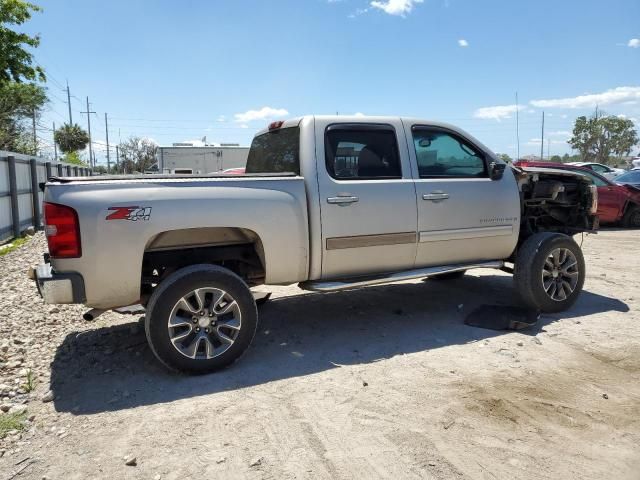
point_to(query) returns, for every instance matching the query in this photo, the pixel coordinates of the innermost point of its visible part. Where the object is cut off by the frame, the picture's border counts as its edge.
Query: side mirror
(496, 170)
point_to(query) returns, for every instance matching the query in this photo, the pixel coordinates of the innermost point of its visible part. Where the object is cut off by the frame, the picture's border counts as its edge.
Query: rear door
(367, 198)
(463, 215)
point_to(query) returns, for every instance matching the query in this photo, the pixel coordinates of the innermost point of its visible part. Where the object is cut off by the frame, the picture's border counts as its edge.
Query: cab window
(443, 154)
(361, 152)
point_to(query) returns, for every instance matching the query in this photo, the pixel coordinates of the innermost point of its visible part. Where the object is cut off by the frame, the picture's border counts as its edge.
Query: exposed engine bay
(556, 201)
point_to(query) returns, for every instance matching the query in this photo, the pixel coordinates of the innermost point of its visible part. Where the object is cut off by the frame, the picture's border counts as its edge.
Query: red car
(616, 203)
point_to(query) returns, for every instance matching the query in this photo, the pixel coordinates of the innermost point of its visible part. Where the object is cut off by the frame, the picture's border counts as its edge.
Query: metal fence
(20, 196)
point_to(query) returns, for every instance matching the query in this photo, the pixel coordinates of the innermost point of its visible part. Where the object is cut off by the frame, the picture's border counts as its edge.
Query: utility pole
(517, 129)
(542, 139)
(55, 145)
(117, 159)
(69, 104)
(89, 112)
(549, 148)
(35, 137)
(106, 128)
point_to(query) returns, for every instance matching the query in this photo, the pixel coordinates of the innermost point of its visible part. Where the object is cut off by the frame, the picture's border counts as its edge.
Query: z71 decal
(129, 213)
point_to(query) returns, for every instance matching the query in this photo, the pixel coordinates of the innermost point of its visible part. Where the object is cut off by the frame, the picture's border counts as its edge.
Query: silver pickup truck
(329, 202)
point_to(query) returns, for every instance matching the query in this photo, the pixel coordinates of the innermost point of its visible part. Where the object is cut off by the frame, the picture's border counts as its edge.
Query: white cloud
(221, 118)
(463, 43)
(359, 114)
(610, 97)
(634, 43)
(560, 133)
(262, 114)
(395, 7)
(497, 112)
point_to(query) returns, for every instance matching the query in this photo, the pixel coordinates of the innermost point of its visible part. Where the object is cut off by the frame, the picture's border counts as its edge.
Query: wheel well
(240, 250)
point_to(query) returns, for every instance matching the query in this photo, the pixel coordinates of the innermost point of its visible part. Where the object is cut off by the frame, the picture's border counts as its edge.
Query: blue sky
(180, 70)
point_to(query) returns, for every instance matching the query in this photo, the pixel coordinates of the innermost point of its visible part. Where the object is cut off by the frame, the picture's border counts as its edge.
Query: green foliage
(556, 158)
(505, 158)
(11, 421)
(14, 245)
(137, 154)
(30, 381)
(71, 138)
(18, 102)
(16, 63)
(599, 137)
(74, 159)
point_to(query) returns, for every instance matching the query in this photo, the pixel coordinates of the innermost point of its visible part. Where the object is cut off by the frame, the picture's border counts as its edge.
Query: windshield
(277, 151)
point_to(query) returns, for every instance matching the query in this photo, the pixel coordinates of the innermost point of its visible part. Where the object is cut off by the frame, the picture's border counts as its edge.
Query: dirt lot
(384, 382)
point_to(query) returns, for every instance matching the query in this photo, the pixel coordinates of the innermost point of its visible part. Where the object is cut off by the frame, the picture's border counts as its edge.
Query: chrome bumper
(58, 288)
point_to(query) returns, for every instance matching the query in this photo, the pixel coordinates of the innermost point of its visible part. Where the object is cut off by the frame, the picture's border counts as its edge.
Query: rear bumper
(56, 287)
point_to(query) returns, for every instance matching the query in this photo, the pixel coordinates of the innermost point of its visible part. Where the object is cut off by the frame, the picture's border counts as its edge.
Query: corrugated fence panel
(23, 185)
(23, 176)
(4, 176)
(6, 229)
(24, 206)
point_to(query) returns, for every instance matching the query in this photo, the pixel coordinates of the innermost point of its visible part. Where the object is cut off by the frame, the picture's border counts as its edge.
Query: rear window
(277, 151)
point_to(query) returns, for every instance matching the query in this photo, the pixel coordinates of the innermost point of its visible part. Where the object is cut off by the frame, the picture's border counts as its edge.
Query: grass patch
(11, 421)
(30, 383)
(15, 244)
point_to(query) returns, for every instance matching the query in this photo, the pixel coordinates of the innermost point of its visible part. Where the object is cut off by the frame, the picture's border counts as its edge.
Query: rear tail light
(62, 230)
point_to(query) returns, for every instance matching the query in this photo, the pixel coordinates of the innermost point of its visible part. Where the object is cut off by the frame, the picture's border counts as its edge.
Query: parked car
(329, 202)
(617, 203)
(631, 178)
(604, 170)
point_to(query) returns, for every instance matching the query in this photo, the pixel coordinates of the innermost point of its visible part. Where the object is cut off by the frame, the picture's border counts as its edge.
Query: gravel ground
(384, 382)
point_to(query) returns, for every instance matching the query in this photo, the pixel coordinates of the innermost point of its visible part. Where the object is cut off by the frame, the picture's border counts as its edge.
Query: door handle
(435, 196)
(342, 201)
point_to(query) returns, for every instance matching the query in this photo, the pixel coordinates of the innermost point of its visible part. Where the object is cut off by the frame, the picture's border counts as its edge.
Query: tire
(549, 272)
(200, 319)
(631, 217)
(449, 275)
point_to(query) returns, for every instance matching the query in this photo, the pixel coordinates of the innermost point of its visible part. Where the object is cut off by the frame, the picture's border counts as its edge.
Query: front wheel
(200, 319)
(631, 218)
(549, 272)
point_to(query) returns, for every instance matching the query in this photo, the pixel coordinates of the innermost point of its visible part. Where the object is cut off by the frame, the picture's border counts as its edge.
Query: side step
(364, 281)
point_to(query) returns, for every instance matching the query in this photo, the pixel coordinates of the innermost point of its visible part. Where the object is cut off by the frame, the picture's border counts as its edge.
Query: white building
(189, 158)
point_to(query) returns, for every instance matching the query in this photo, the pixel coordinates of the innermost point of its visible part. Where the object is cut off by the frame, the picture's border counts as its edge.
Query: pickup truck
(328, 202)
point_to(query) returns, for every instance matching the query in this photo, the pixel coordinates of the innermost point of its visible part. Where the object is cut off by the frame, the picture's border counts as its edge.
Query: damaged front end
(554, 200)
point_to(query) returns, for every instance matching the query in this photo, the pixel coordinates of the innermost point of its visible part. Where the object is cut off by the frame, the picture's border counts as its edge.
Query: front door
(367, 199)
(463, 215)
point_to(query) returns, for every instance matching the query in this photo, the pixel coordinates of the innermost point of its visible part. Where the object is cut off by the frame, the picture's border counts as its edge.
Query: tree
(597, 137)
(71, 138)
(18, 103)
(505, 158)
(138, 154)
(74, 159)
(16, 63)
(556, 158)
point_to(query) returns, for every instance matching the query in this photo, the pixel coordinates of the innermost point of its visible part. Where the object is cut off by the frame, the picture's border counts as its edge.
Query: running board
(364, 281)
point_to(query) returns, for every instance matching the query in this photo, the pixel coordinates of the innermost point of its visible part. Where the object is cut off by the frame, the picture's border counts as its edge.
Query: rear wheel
(549, 272)
(631, 218)
(201, 318)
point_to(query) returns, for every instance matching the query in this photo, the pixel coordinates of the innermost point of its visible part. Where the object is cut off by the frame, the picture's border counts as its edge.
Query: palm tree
(71, 138)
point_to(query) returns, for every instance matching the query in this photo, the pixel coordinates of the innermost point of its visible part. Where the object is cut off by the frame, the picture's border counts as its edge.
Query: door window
(441, 154)
(362, 153)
